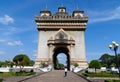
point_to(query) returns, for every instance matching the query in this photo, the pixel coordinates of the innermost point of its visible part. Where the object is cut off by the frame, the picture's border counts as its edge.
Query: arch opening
(61, 56)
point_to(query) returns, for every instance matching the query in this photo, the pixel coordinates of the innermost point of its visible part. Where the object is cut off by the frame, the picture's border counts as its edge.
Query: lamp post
(114, 46)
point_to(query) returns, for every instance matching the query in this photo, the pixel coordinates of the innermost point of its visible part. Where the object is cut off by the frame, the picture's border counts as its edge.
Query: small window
(62, 10)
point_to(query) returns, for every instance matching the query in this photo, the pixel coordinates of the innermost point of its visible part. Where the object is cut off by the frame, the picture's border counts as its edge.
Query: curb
(82, 77)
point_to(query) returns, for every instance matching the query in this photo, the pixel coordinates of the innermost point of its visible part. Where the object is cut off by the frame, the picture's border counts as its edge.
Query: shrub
(76, 64)
(85, 74)
(42, 64)
(1, 79)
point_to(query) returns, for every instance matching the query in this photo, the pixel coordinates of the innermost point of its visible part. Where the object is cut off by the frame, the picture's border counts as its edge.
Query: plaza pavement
(56, 76)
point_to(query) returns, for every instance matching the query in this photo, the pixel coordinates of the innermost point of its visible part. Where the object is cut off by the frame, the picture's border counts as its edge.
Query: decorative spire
(46, 7)
(77, 7)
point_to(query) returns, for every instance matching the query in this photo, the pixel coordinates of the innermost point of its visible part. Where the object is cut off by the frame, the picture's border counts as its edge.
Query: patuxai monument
(61, 32)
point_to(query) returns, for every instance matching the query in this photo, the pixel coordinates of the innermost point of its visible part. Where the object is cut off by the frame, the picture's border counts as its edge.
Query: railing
(60, 18)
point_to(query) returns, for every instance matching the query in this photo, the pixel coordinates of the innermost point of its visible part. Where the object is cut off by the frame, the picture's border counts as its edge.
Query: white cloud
(21, 50)
(1, 52)
(104, 15)
(10, 31)
(6, 19)
(14, 30)
(11, 43)
(62, 58)
(15, 43)
(2, 41)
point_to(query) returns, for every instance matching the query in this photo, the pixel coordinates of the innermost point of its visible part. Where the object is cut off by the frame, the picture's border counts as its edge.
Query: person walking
(65, 70)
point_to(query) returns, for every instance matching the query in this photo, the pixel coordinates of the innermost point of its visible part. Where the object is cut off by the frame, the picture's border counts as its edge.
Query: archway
(57, 51)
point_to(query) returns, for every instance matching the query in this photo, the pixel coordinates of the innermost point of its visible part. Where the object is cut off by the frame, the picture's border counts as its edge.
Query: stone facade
(61, 31)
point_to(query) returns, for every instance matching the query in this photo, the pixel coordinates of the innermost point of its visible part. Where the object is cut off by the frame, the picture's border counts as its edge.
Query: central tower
(61, 33)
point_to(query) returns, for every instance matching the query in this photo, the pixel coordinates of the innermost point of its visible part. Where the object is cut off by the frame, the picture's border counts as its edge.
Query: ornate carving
(61, 37)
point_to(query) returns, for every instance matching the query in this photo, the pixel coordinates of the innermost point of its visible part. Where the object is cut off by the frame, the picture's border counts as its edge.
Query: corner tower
(61, 32)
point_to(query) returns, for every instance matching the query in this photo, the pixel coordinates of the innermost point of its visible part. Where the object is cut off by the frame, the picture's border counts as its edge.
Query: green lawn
(102, 74)
(2, 74)
(17, 73)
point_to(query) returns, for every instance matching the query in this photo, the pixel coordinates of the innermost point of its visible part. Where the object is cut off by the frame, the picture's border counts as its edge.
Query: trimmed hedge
(112, 80)
(102, 74)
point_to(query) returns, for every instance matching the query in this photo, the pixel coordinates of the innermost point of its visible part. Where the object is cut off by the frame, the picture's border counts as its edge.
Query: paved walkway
(56, 76)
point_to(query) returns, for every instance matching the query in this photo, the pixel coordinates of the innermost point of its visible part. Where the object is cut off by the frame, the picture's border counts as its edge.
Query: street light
(114, 46)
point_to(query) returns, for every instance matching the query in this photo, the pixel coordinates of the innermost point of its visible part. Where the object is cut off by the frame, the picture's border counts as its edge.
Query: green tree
(22, 60)
(60, 66)
(104, 65)
(1, 63)
(106, 59)
(32, 62)
(119, 58)
(95, 64)
(8, 63)
(57, 61)
(113, 65)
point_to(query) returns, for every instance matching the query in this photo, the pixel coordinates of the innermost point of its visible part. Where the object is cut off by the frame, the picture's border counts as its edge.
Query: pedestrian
(65, 70)
(72, 69)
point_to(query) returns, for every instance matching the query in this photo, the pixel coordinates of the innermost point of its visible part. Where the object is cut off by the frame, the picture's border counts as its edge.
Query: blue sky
(18, 33)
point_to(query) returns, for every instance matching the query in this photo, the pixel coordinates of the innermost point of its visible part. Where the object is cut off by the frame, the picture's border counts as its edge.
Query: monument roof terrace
(61, 18)
(61, 15)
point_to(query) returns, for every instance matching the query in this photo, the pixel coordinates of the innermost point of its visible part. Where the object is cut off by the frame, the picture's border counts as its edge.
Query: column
(50, 53)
